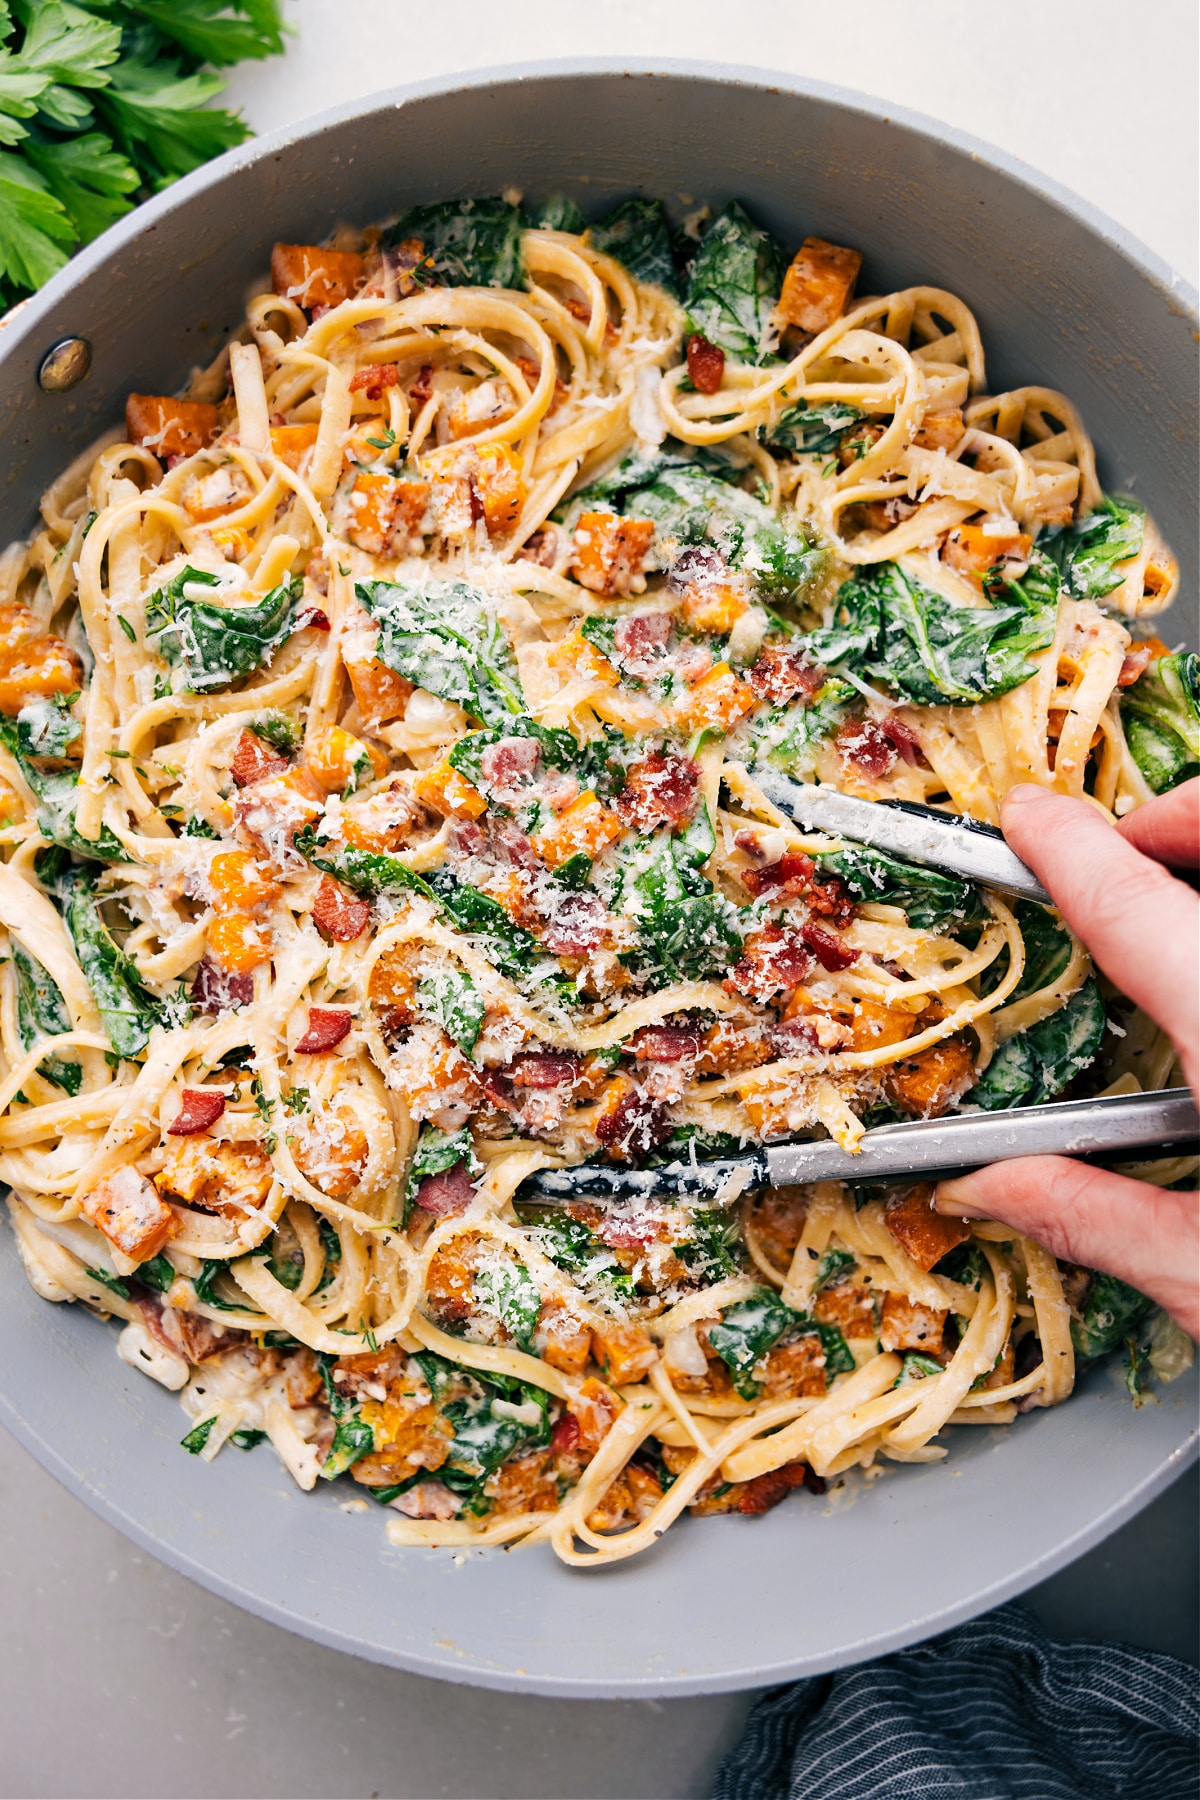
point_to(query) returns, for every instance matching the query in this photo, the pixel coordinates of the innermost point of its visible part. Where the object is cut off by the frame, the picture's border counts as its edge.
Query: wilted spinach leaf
(1036, 1064)
(452, 998)
(41, 1012)
(128, 1010)
(928, 649)
(436, 1152)
(216, 644)
(366, 871)
(471, 243)
(57, 794)
(574, 1247)
(686, 930)
(46, 725)
(789, 737)
(446, 637)
(1161, 716)
(1047, 951)
(507, 1290)
(733, 286)
(747, 1330)
(812, 430)
(932, 901)
(506, 944)
(1086, 552)
(638, 234)
(558, 213)
(198, 1436)
(353, 1439)
(1111, 1311)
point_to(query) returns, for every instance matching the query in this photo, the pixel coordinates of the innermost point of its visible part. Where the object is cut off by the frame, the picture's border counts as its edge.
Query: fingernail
(1023, 793)
(954, 1199)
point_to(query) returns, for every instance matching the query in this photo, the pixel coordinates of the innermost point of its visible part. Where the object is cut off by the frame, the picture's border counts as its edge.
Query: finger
(1168, 828)
(1147, 1236)
(1139, 922)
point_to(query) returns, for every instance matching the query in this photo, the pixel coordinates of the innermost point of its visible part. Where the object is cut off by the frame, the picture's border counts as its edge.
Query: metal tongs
(1115, 1126)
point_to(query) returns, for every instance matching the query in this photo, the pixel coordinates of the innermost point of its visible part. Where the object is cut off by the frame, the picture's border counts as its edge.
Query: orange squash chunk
(587, 825)
(717, 701)
(974, 550)
(169, 427)
(818, 284)
(313, 276)
(39, 666)
(610, 552)
(447, 792)
(926, 1236)
(291, 443)
(130, 1212)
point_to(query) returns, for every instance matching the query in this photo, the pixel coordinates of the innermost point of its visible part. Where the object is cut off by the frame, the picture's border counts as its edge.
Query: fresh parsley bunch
(104, 103)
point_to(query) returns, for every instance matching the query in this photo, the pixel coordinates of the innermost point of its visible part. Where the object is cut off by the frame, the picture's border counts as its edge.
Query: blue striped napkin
(991, 1711)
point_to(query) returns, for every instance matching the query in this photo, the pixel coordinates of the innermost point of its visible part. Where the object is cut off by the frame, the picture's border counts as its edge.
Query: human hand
(1141, 925)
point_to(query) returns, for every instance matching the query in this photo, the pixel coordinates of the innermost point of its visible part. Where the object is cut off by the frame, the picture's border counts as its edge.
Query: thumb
(1147, 1236)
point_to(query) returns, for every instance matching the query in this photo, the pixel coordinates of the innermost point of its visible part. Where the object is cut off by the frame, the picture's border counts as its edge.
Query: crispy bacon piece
(449, 1192)
(373, 379)
(774, 960)
(564, 1438)
(130, 1212)
(659, 790)
(255, 760)
(665, 1043)
(926, 1235)
(792, 874)
(217, 990)
(577, 926)
(543, 1069)
(421, 391)
(169, 427)
(783, 672)
(766, 1491)
(201, 1109)
(861, 742)
(327, 1027)
(630, 1124)
(637, 639)
(339, 914)
(818, 284)
(509, 766)
(705, 364)
(1137, 659)
(831, 952)
(314, 276)
(187, 1334)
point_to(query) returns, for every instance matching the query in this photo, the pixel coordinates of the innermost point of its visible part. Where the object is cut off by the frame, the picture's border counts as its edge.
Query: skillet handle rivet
(65, 365)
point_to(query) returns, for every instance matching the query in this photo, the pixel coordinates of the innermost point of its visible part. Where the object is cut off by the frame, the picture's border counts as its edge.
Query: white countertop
(117, 1676)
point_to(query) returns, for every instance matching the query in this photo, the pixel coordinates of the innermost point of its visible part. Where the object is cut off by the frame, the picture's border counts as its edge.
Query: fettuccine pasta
(381, 719)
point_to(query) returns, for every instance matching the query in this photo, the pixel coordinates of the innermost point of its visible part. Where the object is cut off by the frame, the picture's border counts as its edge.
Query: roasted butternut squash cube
(217, 1176)
(713, 606)
(500, 486)
(130, 1212)
(717, 701)
(610, 552)
(928, 1084)
(575, 659)
(940, 430)
(818, 284)
(974, 548)
(331, 1150)
(586, 826)
(624, 1352)
(239, 882)
(445, 791)
(337, 759)
(927, 1236)
(905, 1324)
(313, 276)
(239, 944)
(169, 427)
(291, 443)
(381, 693)
(39, 666)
